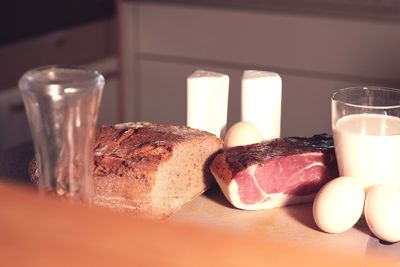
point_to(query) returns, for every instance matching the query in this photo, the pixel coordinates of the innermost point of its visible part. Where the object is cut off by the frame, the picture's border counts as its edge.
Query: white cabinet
(315, 55)
(164, 99)
(109, 106)
(91, 44)
(305, 109)
(72, 46)
(14, 127)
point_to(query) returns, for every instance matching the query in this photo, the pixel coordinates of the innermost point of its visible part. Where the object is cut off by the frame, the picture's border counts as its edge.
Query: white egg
(339, 204)
(242, 133)
(382, 212)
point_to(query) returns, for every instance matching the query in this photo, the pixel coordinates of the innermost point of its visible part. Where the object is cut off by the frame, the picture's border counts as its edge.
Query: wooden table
(39, 231)
(294, 224)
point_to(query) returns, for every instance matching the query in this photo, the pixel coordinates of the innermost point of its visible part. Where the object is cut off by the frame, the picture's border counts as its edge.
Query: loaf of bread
(151, 169)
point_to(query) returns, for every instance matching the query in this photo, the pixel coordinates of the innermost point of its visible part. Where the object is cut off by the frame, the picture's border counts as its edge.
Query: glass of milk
(366, 133)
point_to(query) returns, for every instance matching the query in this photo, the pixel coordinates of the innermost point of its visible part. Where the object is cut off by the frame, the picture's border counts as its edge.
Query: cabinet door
(72, 46)
(315, 55)
(306, 106)
(109, 108)
(302, 43)
(305, 101)
(14, 127)
(163, 91)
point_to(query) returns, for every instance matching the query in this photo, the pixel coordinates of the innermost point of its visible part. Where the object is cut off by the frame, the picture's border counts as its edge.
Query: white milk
(368, 146)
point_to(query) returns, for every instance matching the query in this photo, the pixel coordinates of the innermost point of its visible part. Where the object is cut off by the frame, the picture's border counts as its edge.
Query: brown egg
(242, 133)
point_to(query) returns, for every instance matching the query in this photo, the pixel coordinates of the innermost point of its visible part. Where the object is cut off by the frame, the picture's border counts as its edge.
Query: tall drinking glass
(366, 132)
(62, 105)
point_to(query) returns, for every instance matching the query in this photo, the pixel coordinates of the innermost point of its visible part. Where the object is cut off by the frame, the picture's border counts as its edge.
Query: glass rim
(381, 88)
(88, 75)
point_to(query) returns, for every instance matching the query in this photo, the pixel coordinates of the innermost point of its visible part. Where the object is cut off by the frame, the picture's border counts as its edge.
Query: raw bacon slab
(275, 173)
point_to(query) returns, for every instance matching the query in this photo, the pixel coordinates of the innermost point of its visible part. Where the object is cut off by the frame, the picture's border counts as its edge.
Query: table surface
(294, 224)
(38, 231)
(42, 231)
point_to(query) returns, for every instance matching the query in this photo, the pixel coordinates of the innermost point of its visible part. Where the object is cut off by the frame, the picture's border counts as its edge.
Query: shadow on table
(14, 163)
(215, 194)
(303, 214)
(388, 251)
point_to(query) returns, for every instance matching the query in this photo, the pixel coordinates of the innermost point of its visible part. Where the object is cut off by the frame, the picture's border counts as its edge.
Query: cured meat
(275, 173)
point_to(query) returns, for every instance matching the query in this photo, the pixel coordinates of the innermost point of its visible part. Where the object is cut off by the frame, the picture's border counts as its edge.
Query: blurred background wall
(146, 49)
(36, 33)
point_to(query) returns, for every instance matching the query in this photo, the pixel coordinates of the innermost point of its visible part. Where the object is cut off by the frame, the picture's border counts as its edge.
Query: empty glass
(62, 105)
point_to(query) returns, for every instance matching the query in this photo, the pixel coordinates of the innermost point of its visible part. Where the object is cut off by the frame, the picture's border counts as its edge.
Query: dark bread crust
(142, 146)
(220, 169)
(128, 158)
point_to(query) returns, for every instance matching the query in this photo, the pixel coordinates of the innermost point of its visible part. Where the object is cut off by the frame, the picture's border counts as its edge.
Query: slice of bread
(151, 169)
